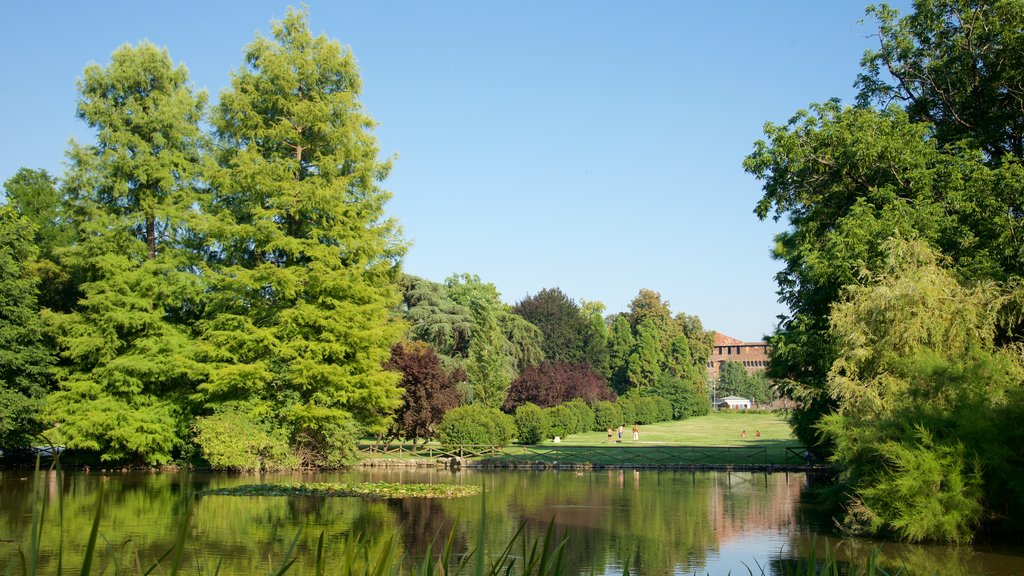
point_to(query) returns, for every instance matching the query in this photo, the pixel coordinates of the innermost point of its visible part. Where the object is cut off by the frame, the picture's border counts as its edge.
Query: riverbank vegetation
(220, 284)
(903, 273)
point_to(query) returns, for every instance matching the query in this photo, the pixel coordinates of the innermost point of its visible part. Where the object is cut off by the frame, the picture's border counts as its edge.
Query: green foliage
(233, 439)
(25, 357)
(955, 64)
(627, 406)
(562, 419)
(531, 424)
(436, 319)
(645, 361)
(568, 336)
(651, 409)
(733, 380)
(584, 415)
(489, 370)
(476, 424)
(922, 491)
(922, 393)
(621, 347)
(34, 195)
(303, 278)
(680, 395)
(128, 355)
(607, 415)
(848, 179)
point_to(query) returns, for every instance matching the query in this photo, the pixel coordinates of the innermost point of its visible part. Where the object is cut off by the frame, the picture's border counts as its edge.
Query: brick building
(753, 355)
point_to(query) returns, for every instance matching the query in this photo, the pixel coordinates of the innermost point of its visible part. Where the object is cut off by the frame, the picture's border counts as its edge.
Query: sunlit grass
(716, 429)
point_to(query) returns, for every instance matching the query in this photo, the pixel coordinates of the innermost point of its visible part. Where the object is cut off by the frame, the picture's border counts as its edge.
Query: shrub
(562, 420)
(662, 409)
(646, 410)
(531, 424)
(232, 439)
(627, 405)
(584, 415)
(607, 415)
(332, 444)
(475, 424)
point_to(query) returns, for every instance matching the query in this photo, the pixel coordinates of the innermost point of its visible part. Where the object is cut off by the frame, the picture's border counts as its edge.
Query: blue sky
(586, 145)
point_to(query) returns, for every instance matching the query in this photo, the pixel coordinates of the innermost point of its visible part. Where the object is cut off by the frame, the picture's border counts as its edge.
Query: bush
(662, 409)
(696, 403)
(607, 415)
(531, 424)
(646, 410)
(332, 444)
(231, 439)
(562, 420)
(476, 424)
(584, 415)
(627, 405)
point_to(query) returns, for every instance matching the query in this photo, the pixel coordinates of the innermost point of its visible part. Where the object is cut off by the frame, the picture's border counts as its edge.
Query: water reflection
(662, 522)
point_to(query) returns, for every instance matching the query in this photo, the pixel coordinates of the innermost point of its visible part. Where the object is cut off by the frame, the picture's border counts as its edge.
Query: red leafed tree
(552, 383)
(429, 390)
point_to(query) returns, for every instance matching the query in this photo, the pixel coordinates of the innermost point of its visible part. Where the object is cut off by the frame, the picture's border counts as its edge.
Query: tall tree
(489, 369)
(436, 319)
(646, 359)
(568, 336)
(621, 346)
(128, 354)
(35, 196)
(847, 179)
(428, 391)
(954, 64)
(25, 357)
(304, 262)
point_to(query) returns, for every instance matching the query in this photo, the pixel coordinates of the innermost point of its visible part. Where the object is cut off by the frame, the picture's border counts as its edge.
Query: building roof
(723, 340)
(735, 400)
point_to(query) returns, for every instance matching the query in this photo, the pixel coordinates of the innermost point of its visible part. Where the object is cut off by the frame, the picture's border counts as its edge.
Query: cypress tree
(303, 260)
(128, 356)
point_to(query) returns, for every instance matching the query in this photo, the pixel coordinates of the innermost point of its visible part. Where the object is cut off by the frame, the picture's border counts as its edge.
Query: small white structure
(734, 403)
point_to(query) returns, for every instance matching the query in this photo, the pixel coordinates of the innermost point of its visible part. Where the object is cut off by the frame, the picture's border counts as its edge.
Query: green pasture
(715, 439)
(715, 429)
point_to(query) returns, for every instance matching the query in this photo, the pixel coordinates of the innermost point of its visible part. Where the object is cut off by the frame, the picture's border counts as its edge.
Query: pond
(663, 522)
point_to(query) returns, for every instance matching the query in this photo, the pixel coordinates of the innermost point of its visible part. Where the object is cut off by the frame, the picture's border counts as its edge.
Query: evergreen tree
(646, 359)
(489, 370)
(436, 319)
(128, 354)
(621, 347)
(303, 259)
(25, 359)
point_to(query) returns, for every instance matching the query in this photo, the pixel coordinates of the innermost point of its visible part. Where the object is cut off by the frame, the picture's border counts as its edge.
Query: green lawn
(715, 439)
(716, 429)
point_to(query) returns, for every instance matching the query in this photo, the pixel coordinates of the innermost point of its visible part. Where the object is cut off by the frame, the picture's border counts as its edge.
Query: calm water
(664, 522)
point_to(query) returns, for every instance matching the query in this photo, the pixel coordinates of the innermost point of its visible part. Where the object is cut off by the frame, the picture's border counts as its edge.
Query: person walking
(620, 434)
(636, 433)
(609, 434)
